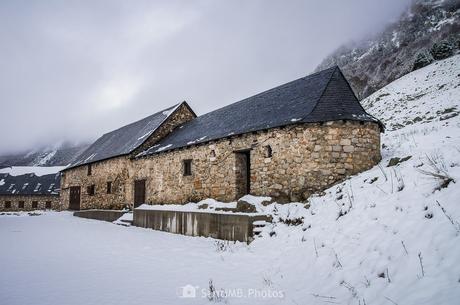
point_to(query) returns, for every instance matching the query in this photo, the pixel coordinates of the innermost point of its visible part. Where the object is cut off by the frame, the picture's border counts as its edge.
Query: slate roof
(123, 140)
(319, 97)
(30, 184)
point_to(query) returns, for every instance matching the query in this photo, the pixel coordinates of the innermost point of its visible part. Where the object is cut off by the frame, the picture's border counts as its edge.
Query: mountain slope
(373, 63)
(46, 157)
(429, 95)
(390, 234)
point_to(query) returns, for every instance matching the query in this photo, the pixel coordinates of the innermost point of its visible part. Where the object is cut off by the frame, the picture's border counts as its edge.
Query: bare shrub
(292, 221)
(449, 217)
(223, 246)
(215, 295)
(438, 171)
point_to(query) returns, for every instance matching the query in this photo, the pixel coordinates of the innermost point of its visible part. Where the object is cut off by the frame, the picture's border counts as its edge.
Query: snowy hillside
(373, 62)
(390, 235)
(427, 95)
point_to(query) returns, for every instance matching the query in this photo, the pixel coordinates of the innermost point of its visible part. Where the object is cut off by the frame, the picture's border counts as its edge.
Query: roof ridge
(269, 90)
(359, 102)
(137, 121)
(334, 68)
(173, 110)
(105, 138)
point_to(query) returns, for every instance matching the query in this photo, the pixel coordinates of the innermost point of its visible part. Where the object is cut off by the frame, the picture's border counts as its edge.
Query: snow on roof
(30, 184)
(37, 170)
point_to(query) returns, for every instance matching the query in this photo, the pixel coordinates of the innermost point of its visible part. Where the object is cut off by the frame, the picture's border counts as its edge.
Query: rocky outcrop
(373, 63)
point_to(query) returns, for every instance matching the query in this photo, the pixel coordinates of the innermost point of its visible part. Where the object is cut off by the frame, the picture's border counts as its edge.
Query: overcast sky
(73, 70)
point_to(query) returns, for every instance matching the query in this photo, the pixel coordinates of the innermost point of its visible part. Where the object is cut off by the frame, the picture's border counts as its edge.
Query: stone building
(99, 178)
(29, 192)
(287, 143)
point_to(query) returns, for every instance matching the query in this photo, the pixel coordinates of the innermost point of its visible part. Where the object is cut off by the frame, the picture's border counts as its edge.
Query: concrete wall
(105, 215)
(305, 159)
(28, 200)
(234, 227)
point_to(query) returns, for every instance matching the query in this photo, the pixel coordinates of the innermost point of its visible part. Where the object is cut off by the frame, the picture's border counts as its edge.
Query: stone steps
(258, 226)
(126, 220)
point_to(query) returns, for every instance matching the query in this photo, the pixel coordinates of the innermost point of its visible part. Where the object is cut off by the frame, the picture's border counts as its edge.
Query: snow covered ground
(388, 236)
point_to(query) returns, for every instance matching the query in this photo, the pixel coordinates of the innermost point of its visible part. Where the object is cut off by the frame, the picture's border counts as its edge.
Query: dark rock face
(373, 63)
(246, 207)
(396, 160)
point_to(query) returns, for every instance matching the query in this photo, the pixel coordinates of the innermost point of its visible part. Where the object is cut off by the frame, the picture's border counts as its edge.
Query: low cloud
(70, 71)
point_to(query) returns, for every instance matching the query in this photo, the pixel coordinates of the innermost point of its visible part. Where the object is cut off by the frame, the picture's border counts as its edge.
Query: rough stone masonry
(288, 143)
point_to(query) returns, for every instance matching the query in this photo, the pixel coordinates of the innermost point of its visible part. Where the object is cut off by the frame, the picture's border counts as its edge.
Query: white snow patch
(90, 157)
(394, 38)
(44, 160)
(124, 220)
(37, 170)
(163, 147)
(145, 135)
(196, 140)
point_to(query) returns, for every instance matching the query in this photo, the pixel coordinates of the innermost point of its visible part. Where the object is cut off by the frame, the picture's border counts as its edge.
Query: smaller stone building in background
(29, 192)
(99, 178)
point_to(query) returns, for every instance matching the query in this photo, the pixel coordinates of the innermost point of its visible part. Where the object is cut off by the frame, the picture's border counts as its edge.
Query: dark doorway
(243, 173)
(74, 199)
(139, 192)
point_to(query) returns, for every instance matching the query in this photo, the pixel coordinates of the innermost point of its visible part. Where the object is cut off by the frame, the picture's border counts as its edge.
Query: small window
(268, 151)
(187, 167)
(34, 204)
(91, 189)
(7, 204)
(109, 187)
(21, 204)
(48, 205)
(90, 170)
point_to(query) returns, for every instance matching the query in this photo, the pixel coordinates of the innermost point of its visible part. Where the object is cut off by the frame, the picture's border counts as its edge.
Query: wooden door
(243, 173)
(139, 192)
(74, 198)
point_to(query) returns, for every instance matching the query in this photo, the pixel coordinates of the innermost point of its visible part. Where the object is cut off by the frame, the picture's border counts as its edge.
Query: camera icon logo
(188, 291)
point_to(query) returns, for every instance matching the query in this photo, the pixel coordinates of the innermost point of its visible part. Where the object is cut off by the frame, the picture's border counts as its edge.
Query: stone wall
(180, 116)
(304, 159)
(27, 201)
(104, 215)
(114, 170)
